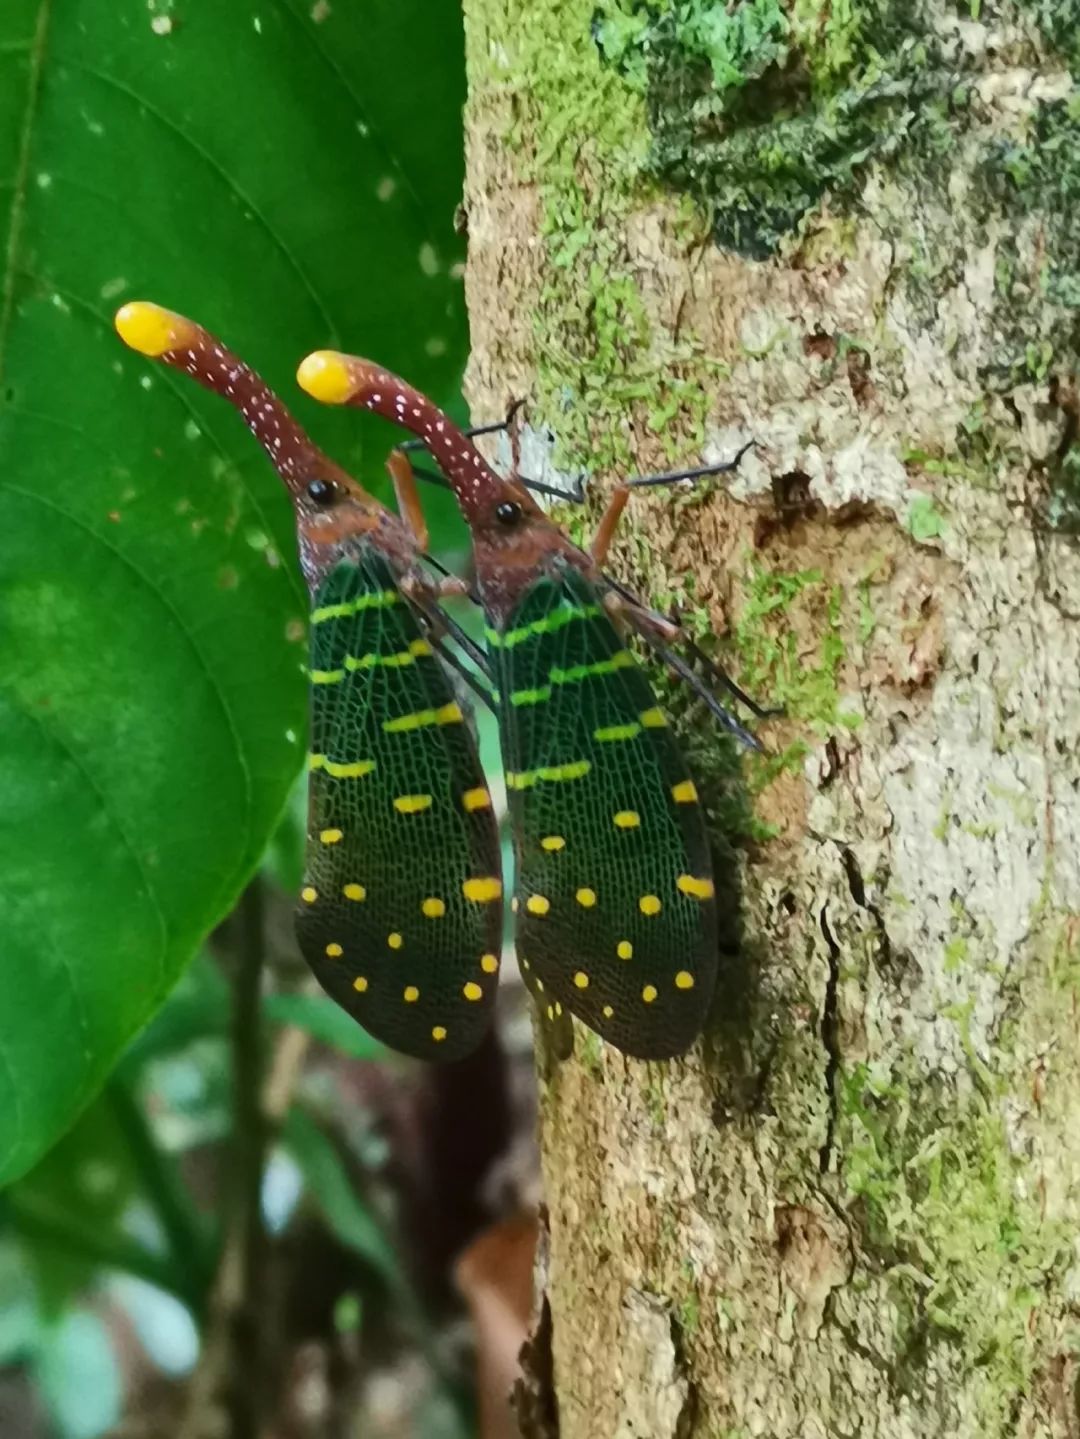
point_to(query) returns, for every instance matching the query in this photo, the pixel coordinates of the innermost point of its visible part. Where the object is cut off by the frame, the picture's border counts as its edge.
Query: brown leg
(409, 506)
(605, 530)
(644, 621)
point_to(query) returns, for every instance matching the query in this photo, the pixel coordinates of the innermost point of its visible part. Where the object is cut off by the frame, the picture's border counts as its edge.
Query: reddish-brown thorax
(509, 552)
(323, 530)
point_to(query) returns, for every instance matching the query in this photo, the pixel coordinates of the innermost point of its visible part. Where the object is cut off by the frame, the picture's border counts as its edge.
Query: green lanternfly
(615, 905)
(400, 914)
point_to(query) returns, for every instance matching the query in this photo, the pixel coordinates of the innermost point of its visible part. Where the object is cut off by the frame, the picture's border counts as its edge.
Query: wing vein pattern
(615, 902)
(400, 915)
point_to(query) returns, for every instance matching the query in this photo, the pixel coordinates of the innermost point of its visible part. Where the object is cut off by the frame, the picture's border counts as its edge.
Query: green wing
(615, 910)
(400, 916)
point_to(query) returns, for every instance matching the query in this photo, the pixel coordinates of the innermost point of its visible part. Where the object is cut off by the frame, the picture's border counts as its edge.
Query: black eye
(508, 513)
(322, 491)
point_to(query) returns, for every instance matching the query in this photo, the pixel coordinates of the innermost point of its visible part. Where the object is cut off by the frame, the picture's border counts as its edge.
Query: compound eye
(508, 513)
(322, 492)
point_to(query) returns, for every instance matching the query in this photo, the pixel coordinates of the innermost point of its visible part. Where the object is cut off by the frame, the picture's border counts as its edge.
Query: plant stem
(232, 1375)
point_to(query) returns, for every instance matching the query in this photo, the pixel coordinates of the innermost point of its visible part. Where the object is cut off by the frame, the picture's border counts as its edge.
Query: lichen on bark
(852, 1210)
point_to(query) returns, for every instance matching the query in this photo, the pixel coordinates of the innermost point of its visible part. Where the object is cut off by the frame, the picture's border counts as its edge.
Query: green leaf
(79, 1377)
(323, 1020)
(330, 1190)
(289, 182)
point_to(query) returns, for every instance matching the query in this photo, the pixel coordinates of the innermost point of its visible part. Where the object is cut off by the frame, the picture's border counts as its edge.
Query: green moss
(1059, 22)
(775, 663)
(581, 136)
(757, 109)
(924, 520)
(1035, 182)
(965, 1247)
(589, 1052)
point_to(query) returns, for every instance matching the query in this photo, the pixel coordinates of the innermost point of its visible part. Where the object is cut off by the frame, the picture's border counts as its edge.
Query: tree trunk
(853, 1209)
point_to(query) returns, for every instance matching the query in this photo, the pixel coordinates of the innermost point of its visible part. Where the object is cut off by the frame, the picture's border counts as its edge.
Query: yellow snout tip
(151, 330)
(325, 376)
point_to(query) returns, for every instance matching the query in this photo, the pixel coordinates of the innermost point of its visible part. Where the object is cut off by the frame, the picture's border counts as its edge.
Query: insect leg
(667, 629)
(609, 520)
(672, 477)
(479, 684)
(409, 506)
(492, 429)
(699, 687)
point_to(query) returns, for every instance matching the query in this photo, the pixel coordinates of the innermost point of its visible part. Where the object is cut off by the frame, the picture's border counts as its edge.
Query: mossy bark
(854, 1208)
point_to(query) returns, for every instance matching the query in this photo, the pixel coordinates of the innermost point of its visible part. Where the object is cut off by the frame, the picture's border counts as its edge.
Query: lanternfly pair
(400, 914)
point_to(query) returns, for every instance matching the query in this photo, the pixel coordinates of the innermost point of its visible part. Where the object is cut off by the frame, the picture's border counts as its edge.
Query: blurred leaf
(284, 857)
(324, 1020)
(331, 1192)
(79, 1377)
(151, 703)
(74, 1211)
(88, 1176)
(164, 1326)
(19, 1321)
(198, 1008)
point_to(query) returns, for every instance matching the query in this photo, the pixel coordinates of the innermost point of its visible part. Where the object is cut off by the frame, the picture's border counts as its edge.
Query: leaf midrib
(22, 174)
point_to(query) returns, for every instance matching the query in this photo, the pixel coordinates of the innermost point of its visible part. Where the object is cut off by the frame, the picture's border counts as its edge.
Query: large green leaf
(285, 172)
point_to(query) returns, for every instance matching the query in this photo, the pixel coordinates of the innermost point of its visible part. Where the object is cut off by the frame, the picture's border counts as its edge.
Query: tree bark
(853, 1209)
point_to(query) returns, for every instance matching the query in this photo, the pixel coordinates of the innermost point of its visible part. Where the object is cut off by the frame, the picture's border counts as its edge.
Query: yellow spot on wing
(684, 979)
(488, 963)
(546, 625)
(553, 842)
(438, 1034)
(412, 803)
(445, 714)
(411, 994)
(434, 908)
(354, 891)
(624, 949)
(650, 904)
(335, 951)
(626, 819)
(472, 991)
(684, 792)
(648, 994)
(377, 600)
(653, 719)
(697, 888)
(538, 904)
(620, 660)
(476, 799)
(309, 894)
(586, 897)
(359, 984)
(394, 940)
(355, 769)
(530, 697)
(548, 774)
(482, 890)
(375, 660)
(581, 979)
(330, 836)
(608, 734)
(608, 1011)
